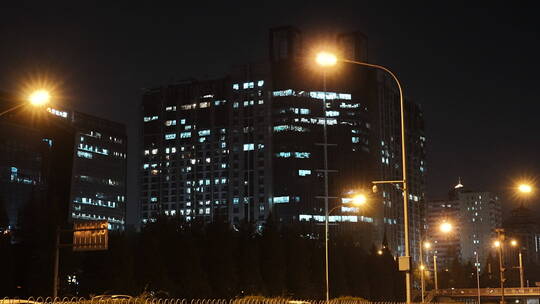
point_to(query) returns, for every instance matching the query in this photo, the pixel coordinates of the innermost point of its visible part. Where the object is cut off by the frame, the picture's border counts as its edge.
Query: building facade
(474, 216)
(251, 144)
(96, 157)
(99, 183)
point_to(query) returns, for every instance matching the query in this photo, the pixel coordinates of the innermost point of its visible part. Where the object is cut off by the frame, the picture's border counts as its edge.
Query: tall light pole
(499, 245)
(325, 60)
(426, 245)
(329, 59)
(514, 243)
(445, 227)
(358, 200)
(477, 276)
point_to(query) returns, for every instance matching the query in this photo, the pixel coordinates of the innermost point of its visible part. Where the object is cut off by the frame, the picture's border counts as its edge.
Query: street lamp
(37, 98)
(327, 59)
(498, 243)
(358, 200)
(445, 227)
(525, 188)
(427, 246)
(515, 243)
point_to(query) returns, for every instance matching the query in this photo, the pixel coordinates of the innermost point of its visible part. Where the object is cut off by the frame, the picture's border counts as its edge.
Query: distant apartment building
(96, 158)
(250, 144)
(474, 216)
(523, 225)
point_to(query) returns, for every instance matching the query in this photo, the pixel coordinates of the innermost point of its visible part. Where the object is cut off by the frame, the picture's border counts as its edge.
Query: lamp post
(426, 245)
(514, 243)
(358, 200)
(499, 245)
(477, 276)
(37, 98)
(445, 227)
(329, 59)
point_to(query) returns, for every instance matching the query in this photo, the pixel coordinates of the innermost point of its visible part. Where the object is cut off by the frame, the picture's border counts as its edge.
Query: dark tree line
(215, 260)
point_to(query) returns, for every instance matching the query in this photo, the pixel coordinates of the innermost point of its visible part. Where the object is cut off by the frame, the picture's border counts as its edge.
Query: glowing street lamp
(359, 199)
(326, 59)
(446, 227)
(497, 244)
(39, 97)
(427, 245)
(525, 188)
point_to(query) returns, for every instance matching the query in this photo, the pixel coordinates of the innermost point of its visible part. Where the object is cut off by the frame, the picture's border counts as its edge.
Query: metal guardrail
(489, 292)
(248, 300)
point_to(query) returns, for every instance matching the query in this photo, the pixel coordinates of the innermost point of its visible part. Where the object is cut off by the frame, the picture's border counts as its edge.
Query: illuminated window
(355, 139)
(283, 154)
(170, 108)
(204, 132)
(170, 136)
(150, 118)
(154, 151)
(185, 135)
(332, 113)
(236, 86)
(302, 154)
(304, 111)
(249, 147)
(260, 83)
(261, 102)
(304, 172)
(235, 105)
(83, 154)
(169, 123)
(281, 199)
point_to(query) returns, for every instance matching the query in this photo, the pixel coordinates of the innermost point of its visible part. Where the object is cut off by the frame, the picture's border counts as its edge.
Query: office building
(474, 216)
(96, 158)
(98, 188)
(250, 144)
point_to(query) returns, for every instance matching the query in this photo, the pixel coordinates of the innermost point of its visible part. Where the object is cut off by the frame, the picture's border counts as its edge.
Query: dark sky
(473, 69)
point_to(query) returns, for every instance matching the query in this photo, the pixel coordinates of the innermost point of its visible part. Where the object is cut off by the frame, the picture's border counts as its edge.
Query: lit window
(355, 139)
(235, 105)
(204, 132)
(150, 118)
(281, 199)
(83, 154)
(235, 86)
(302, 154)
(332, 113)
(283, 154)
(304, 172)
(169, 123)
(170, 136)
(260, 83)
(185, 135)
(249, 147)
(146, 152)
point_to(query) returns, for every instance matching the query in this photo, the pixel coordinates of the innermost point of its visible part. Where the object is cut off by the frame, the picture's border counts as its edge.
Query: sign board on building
(90, 235)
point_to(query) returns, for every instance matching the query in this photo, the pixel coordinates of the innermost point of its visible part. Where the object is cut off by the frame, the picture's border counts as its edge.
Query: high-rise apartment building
(474, 216)
(96, 156)
(251, 144)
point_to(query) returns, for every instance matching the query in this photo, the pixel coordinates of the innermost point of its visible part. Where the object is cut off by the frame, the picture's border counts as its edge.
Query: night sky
(473, 69)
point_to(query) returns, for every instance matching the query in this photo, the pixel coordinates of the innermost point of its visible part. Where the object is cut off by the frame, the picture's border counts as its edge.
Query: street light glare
(446, 227)
(39, 97)
(497, 244)
(359, 199)
(326, 59)
(427, 245)
(514, 243)
(525, 188)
